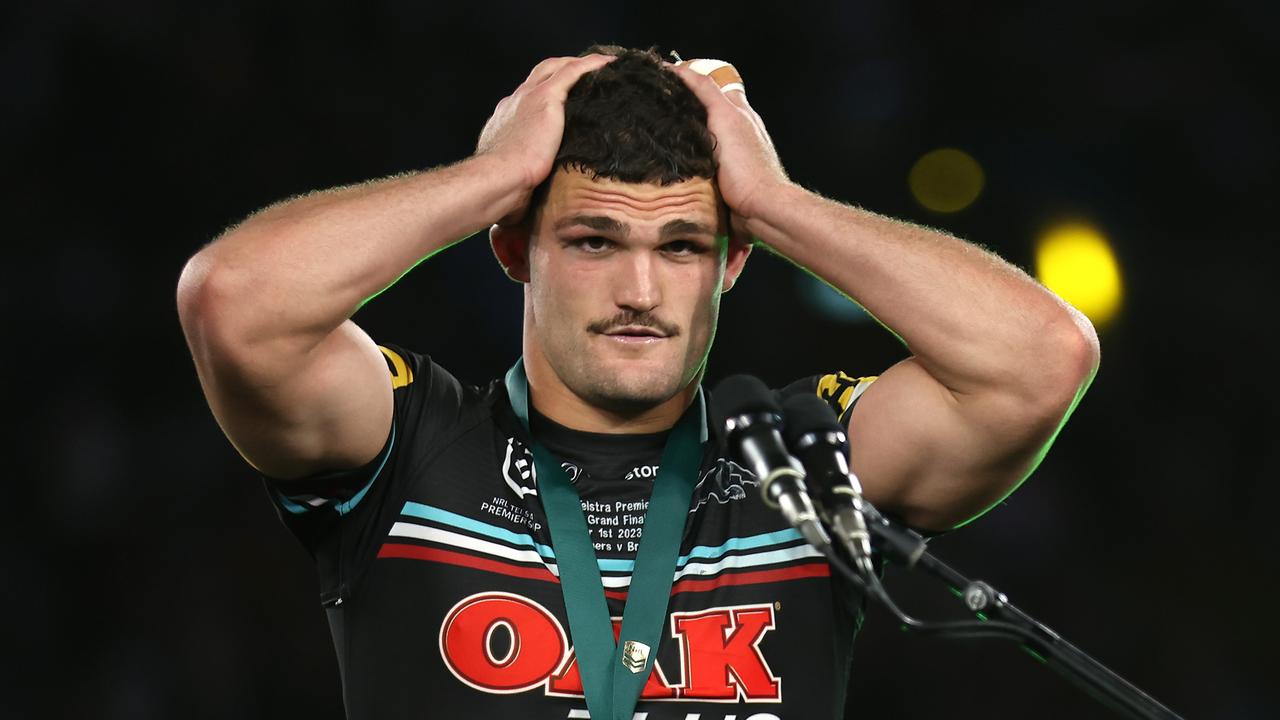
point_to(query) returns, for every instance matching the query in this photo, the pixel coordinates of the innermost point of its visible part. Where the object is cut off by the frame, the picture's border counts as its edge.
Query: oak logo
(504, 643)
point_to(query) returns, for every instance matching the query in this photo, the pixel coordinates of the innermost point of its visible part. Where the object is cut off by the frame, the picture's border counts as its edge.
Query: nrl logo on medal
(634, 656)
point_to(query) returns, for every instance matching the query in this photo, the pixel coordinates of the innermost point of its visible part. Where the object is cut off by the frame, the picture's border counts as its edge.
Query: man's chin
(634, 397)
(627, 402)
(628, 386)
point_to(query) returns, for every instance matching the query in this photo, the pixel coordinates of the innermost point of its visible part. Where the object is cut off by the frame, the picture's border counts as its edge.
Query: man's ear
(735, 260)
(510, 245)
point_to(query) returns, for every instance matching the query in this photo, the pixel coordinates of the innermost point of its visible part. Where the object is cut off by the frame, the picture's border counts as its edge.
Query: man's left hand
(750, 171)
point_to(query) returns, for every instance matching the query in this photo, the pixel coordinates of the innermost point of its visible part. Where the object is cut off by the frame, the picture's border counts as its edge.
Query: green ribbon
(611, 680)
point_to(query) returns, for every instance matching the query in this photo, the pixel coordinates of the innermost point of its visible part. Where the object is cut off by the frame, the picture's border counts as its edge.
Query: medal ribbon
(614, 673)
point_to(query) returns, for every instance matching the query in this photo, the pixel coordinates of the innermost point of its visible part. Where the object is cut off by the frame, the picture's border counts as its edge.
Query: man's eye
(683, 247)
(594, 243)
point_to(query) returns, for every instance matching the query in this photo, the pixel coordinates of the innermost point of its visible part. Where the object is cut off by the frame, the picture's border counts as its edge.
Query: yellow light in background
(946, 180)
(1075, 261)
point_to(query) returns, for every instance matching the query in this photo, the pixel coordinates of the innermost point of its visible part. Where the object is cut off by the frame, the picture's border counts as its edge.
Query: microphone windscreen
(740, 395)
(807, 413)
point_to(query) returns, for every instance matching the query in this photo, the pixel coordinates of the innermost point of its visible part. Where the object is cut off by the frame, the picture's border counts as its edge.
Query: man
(623, 192)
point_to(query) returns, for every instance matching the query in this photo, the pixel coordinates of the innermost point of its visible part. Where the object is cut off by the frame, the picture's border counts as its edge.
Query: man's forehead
(575, 193)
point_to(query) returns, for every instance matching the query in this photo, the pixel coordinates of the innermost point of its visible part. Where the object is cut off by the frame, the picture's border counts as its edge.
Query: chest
(465, 588)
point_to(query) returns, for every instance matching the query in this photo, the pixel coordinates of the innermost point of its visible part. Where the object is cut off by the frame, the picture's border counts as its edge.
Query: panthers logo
(725, 481)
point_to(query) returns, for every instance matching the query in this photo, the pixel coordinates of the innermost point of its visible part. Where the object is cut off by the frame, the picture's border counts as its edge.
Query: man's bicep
(933, 461)
(328, 410)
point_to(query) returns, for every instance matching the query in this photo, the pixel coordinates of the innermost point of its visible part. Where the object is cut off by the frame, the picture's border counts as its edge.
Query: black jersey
(440, 582)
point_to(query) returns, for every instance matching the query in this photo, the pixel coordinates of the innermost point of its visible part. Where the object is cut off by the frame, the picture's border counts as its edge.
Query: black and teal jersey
(440, 581)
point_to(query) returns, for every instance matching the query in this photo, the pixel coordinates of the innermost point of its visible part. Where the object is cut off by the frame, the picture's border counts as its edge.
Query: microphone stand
(997, 618)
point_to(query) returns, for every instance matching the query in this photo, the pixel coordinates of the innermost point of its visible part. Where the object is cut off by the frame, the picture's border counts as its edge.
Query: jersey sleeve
(313, 507)
(841, 391)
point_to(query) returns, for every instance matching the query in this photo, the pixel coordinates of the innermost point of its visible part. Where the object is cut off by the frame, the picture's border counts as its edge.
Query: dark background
(147, 575)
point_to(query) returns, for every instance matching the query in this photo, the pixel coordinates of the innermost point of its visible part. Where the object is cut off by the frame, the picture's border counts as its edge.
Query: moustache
(634, 319)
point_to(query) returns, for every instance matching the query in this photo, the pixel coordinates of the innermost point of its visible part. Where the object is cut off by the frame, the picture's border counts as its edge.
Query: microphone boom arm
(997, 618)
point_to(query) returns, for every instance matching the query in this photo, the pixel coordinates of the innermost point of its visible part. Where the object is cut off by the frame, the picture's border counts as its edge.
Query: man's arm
(998, 361)
(296, 386)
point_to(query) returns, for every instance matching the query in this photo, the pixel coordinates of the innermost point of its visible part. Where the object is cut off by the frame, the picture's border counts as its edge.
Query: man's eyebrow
(685, 227)
(598, 223)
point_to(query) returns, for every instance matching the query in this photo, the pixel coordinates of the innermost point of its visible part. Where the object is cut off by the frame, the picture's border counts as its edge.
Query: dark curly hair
(635, 121)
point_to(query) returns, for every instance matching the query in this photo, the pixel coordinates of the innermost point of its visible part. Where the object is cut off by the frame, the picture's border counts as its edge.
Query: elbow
(1079, 340)
(1073, 355)
(204, 290)
(195, 294)
(211, 310)
(193, 284)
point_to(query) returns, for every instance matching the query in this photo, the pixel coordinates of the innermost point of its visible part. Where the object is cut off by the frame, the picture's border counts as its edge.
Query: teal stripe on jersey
(701, 552)
(347, 506)
(290, 505)
(750, 542)
(444, 517)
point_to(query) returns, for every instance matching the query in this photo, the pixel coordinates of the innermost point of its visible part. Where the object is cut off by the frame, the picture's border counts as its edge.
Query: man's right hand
(294, 383)
(527, 126)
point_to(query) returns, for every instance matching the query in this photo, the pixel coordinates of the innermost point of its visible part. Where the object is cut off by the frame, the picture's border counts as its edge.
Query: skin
(997, 361)
(604, 263)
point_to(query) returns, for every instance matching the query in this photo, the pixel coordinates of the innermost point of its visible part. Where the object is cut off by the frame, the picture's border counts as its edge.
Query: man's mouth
(635, 331)
(634, 334)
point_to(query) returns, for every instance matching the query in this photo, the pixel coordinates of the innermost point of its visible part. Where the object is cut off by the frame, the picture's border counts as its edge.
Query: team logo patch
(518, 469)
(724, 482)
(520, 473)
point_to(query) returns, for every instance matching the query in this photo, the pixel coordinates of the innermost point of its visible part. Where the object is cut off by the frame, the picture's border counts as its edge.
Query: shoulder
(839, 389)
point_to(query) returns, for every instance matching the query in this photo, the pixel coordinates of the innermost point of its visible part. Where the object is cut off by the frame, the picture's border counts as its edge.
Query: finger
(567, 74)
(544, 69)
(713, 96)
(725, 74)
(705, 87)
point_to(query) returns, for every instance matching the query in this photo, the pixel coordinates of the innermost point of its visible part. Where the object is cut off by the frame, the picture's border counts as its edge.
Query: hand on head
(526, 127)
(749, 164)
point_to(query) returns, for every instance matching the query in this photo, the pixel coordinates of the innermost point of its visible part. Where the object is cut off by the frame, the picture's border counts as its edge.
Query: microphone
(744, 409)
(815, 437)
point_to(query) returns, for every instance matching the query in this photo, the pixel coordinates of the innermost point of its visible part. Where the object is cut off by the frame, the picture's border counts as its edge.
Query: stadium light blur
(946, 180)
(1075, 261)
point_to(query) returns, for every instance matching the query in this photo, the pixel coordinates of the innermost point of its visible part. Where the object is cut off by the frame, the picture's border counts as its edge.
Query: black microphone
(744, 410)
(815, 437)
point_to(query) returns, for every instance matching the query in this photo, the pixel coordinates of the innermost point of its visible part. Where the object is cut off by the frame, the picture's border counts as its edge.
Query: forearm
(974, 321)
(295, 271)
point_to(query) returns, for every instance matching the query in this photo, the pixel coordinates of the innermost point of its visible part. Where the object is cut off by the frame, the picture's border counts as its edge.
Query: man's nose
(637, 285)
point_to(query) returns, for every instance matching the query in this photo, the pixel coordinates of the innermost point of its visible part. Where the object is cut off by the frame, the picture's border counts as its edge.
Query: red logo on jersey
(721, 654)
(504, 643)
(534, 639)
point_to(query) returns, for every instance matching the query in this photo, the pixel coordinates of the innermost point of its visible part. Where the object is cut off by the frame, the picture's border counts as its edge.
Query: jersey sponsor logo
(720, 654)
(725, 481)
(505, 643)
(643, 472)
(535, 643)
